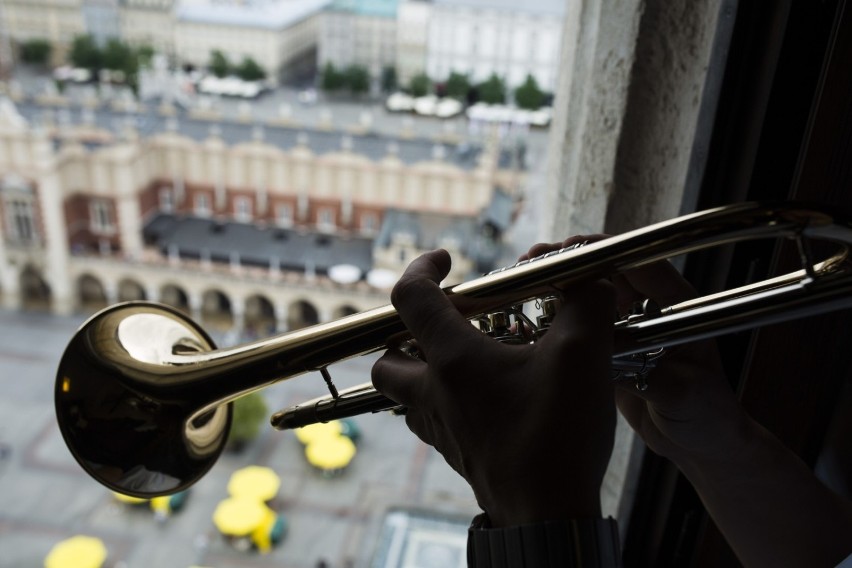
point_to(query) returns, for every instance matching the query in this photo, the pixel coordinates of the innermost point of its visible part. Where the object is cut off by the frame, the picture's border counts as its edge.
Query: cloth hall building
(240, 234)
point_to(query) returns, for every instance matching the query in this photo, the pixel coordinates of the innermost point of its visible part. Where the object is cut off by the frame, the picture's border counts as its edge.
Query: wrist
(728, 440)
(532, 513)
(590, 542)
(518, 507)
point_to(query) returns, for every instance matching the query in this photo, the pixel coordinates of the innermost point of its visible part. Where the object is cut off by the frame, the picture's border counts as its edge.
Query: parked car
(230, 87)
(509, 115)
(73, 74)
(448, 108)
(426, 105)
(399, 102)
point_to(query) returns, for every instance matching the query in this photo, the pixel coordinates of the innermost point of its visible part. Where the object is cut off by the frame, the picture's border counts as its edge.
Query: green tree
(420, 85)
(118, 56)
(332, 79)
(250, 70)
(358, 79)
(493, 90)
(249, 415)
(389, 79)
(85, 53)
(458, 86)
(529, 95)
(145, 55)
(122, 60)
(219, 64)
(35, 51)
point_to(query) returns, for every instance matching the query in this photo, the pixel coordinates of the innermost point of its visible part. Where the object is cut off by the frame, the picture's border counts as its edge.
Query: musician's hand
(530, 427)
(767, 503)
(688, 409)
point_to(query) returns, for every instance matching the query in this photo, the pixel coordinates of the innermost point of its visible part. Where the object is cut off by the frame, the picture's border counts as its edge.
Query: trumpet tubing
(142, 393)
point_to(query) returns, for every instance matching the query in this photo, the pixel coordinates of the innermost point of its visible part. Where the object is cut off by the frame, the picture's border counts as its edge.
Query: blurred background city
(265, 165)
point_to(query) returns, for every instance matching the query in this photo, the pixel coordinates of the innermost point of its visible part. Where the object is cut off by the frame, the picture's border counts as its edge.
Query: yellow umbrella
(78, 551)
(238, 516)
(308, 434)
(161, 505)
(128, 499)
(262, 534)
(330, 453)
(254, 481)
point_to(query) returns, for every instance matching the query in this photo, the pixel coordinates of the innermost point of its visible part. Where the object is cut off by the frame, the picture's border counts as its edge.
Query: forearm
(770, 507)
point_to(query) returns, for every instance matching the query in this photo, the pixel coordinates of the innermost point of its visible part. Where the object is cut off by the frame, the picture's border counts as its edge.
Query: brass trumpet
(141, 391)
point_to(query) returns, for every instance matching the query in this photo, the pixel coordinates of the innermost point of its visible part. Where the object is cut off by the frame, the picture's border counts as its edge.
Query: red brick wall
(193, 190)
(316, 205)
(362, 211)
(149, 198)
(150, 203)
(78, 222)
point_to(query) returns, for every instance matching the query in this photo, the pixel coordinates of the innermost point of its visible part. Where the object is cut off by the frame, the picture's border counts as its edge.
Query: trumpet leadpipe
(640, 341)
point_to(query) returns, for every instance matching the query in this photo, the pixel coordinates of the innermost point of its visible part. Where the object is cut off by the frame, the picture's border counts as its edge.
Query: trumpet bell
(134, 442)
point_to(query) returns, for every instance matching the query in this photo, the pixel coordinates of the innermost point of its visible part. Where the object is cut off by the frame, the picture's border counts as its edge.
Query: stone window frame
(326, 219)
(202, 206)
(101, 217)
(285, 215)
(243, 210)
(636, 93)
(20, 209)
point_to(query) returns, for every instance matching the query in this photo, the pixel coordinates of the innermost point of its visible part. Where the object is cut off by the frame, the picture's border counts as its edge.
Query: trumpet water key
(142, 395)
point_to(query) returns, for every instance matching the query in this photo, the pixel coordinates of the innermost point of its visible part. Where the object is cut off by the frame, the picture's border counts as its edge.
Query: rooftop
(268, 14)
(542, 7)
(472, 236)
(196, 238)
(381, 8)
(372, 146)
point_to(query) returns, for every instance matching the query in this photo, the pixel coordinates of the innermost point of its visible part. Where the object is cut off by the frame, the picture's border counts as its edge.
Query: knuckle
(409, 287)
(377, 373)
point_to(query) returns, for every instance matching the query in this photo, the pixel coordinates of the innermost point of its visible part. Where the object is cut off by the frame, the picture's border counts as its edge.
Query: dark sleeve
(573, 543)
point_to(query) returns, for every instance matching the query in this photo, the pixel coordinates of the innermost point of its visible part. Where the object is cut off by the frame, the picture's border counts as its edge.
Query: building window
(369, 223)
(167, 200)
(21, 220)
(19, 204)
(325, 219)
(202, 205)
(100, 216)
(284, 215)
(242, 209)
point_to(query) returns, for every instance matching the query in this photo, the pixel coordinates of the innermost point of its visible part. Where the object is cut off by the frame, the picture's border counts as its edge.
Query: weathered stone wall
(626, 113)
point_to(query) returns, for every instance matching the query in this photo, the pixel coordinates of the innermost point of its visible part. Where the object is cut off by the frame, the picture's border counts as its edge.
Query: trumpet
(142, 395)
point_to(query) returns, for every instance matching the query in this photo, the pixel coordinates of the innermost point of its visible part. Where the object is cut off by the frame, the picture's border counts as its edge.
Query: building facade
(510, 39)
(149, 22)
(280, 35)
(277, 34)
(359, 32)
(58, 21)
(87, 225)
(101, 19)
(412, 38)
